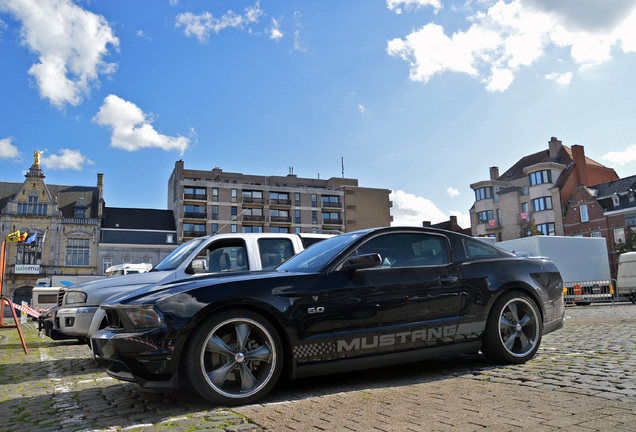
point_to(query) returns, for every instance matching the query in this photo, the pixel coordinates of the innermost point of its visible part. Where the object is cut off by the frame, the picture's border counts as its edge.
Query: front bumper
(76, 321)
(144, 357)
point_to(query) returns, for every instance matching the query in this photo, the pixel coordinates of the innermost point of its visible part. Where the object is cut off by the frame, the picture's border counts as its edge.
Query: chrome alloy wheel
(238, 358)
(519, 328)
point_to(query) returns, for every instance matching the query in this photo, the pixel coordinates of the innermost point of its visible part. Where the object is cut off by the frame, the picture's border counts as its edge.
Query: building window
(193, 230)
(297, 230)
(194, 193)
(233, 228)
(584, 216)
(297, 216)
(252, 196)
(297, 199)
(234, 193)
(314, 217)
(279, 198)
(595, 234)
(169, 238)
(279, 230)
(126, 260)
(215, 194)
(252, 229)
(541, 204)
(546, 229)
(32, 207)
(540, 177)
(80, 212)
(78, 252)
(483, 193)
(234, 211)
(28, 253)
(619, 235)
(215, 212)
(330, 201)
(331, 217)
(616, 200)
(484, 217)
(107, 262)
(314, 200)
(215, 228)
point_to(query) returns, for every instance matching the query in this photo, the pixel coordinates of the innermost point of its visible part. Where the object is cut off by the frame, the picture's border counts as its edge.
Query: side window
(274, 251)
(479, 249)
(407, 249)
(226, 257)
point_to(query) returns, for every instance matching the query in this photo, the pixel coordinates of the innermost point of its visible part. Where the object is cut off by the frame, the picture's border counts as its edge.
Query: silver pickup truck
(79, 316)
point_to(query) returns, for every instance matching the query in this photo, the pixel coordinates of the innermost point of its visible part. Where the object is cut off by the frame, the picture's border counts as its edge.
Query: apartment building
(530, 197)
(208, 202)
(59, 227)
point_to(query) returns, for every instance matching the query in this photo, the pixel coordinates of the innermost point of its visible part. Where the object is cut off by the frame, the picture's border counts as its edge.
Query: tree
(629, 244)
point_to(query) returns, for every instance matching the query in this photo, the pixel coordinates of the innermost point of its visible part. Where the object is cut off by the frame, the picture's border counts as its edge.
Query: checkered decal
(314, 350)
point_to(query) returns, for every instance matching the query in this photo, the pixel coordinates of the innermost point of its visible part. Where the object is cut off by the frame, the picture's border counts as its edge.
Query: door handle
(446, 279)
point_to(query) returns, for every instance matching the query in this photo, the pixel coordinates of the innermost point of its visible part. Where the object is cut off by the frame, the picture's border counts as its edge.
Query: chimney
(555, 147)
(494, 173)
(426, 223)
(578, 154)
(100, 198)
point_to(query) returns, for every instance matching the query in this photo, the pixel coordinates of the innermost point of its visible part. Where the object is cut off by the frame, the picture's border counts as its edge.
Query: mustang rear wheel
(234, 358)
(513, 331)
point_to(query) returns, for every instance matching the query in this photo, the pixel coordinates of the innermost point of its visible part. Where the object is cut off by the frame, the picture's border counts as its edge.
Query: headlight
(144, 318)
(74, 297)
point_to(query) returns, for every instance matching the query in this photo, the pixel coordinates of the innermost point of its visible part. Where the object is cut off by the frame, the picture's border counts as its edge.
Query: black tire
(234, 357)
(514, 329)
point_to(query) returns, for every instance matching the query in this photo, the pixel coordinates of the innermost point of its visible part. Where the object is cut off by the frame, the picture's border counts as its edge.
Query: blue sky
(418, 96)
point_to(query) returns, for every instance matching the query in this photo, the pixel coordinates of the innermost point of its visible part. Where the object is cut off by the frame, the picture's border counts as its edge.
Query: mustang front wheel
(513, 331)
(234, 358)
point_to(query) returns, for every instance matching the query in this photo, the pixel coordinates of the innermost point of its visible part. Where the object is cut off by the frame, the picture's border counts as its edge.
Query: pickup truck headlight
(74, 297)
(144, 318)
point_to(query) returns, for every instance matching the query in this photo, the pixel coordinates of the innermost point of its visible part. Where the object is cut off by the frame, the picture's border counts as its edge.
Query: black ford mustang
(365, 299)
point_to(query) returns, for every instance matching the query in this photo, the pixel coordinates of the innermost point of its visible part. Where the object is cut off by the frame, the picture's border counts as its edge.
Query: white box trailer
(582, 261)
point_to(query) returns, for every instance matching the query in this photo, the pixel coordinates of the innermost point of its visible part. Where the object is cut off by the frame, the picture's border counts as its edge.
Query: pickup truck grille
(60, 296)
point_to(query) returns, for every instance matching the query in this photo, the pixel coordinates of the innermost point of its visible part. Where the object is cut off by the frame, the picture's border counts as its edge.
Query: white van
(626, 277)
(126, 269)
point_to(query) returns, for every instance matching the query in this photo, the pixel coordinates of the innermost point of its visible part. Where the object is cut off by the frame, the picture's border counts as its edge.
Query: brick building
(207, 202)
(604, 210)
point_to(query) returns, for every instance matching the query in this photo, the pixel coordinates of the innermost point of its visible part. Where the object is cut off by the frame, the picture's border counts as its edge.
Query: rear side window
(479, 249)
(407, 249)
(274, 251)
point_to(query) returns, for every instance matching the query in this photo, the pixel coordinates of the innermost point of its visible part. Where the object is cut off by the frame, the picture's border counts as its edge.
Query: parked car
(365, 299)
(78, 315)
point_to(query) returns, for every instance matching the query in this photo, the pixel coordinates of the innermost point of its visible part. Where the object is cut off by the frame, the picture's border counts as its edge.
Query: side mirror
(198, 266)
(359, 262)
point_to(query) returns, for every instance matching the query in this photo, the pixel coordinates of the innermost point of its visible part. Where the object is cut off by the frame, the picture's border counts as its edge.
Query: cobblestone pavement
(582, 379)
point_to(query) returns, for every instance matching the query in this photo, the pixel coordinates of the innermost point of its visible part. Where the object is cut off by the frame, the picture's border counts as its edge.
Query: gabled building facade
(530, 196)
(62, 226)
(604, 210)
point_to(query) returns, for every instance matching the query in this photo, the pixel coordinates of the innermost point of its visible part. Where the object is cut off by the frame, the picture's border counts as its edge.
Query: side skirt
(375, 361)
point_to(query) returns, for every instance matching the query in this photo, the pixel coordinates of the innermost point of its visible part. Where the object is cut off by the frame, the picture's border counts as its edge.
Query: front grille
(113, 319)
(60, 296)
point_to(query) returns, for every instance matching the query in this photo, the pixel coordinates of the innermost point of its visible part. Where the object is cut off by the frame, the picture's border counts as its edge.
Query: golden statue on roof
(36, 155)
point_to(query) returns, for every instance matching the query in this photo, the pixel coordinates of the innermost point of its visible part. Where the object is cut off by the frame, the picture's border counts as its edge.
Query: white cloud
(66, 159)
(8, 150)
(397, 5)
(621, 158)
(132, 129)
(563, 79)
(362, 109)
(274, 31)
(512, 34)
(70, 43)
(412, 210)
(452, 192)
(202, 25)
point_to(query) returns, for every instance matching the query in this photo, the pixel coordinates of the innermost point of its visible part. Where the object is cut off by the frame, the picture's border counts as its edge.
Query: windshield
(319, 255)
(177, 256)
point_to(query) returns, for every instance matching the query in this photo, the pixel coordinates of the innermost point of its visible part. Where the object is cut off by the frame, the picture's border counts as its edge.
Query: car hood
(154, 293)
(133, 279)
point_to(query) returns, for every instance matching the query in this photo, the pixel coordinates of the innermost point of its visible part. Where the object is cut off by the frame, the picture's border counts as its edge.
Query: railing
(586, 292)
(197, 197)
(331, 204)
(194, 233)
(194, 215)
(332, 221)
(281, 202)
(80, 221)
(280, 219)
(251, 218)
(250, 200)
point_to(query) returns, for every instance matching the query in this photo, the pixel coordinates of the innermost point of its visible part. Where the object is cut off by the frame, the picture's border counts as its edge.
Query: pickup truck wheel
(234, 358)
(513, 331)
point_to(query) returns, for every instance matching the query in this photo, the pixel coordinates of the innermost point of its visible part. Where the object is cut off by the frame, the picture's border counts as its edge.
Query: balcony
(251, 218)
(332, 221)
(280, 202)
(196, 197)
(251, 200)
(327, 204)
(194, 233)
(280, 219)
(193, 215)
